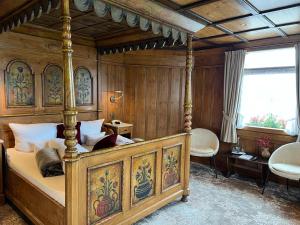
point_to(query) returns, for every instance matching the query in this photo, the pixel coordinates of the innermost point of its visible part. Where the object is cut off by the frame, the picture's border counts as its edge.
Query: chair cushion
(287, 168)
(202, 152)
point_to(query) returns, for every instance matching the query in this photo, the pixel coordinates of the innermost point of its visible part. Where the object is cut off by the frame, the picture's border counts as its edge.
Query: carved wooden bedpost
(71, 157)
(188, 115)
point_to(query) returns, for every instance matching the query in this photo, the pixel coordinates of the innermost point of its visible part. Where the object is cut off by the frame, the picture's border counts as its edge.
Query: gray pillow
(49, 162)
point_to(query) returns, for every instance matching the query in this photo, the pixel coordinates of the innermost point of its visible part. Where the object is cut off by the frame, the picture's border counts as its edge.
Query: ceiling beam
(255, 12)
(218, 26)
(196, 4)
(169, 4)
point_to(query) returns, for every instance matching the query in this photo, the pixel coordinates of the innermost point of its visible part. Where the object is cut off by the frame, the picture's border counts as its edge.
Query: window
(268, 94)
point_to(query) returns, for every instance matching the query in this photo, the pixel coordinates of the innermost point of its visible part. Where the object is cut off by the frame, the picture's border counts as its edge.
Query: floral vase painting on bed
(171, 166)
(143, 177)
(104, 191)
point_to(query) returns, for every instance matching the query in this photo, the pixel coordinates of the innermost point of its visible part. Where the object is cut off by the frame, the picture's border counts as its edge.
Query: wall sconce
(117, 96)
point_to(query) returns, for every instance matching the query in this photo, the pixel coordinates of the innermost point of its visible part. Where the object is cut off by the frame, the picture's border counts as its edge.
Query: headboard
(45, 117)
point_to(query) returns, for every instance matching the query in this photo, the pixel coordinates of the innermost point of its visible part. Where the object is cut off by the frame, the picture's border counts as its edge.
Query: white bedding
(24, 164)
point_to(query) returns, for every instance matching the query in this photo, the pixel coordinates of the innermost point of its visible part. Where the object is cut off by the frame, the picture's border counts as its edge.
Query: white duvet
(24, 164)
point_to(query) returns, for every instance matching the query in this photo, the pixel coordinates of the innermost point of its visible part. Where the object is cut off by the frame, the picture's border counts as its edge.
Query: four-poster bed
(117, 185)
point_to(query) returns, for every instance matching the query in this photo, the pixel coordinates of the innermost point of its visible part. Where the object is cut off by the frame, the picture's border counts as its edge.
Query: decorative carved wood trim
(83, 87)
(22, 83)
(45, 113)
(188, 87)
(142, 13)
(27, 13)
(55, 91)
(154, 43)
(70, 121)
(188, 114)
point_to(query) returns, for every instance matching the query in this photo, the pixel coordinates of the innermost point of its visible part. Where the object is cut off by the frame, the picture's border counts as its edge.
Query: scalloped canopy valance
(34, 10)
(119, 14)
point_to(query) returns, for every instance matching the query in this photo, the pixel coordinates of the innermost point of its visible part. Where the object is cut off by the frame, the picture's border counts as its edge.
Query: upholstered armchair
(205, 144)
(285, 162)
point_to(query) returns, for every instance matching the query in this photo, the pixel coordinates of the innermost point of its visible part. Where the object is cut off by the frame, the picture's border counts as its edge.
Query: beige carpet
(220, 201)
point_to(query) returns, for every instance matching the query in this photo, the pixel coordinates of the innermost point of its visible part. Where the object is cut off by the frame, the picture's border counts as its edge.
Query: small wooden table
(258, 166)
(124, 129)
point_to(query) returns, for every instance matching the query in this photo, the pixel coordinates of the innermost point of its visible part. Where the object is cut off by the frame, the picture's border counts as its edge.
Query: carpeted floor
(221, 201)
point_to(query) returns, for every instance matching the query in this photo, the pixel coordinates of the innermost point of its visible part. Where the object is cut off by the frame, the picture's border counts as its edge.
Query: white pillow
(90, 128)
(59, 144)
(38, 145)
(28, 133)
(91, 140)
(123, 140)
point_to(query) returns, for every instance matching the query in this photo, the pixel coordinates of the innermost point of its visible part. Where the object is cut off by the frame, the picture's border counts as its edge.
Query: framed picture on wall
(19, 84)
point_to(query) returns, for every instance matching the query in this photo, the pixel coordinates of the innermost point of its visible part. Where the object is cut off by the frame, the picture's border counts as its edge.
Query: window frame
(267, 130)
(253, 71)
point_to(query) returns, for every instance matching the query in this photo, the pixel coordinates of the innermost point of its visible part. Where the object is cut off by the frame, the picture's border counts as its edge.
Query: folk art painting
(171, 166)
(104, 191)
(83, 87)
(143, 177)
(19, 82)
(53, 85)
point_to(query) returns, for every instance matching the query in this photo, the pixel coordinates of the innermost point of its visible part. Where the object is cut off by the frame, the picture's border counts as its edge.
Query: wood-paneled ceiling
(89, 25)
(228, 21)
(233, 21)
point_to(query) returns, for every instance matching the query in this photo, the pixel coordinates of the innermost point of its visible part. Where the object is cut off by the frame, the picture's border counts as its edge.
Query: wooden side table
(2, 199)
(258, 166)
(124, 129)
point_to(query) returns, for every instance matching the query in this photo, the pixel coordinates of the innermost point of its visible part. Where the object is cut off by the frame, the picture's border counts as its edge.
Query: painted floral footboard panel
(126, 183)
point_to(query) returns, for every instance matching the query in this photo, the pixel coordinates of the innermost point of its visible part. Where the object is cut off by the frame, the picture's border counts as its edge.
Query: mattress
(24, 164)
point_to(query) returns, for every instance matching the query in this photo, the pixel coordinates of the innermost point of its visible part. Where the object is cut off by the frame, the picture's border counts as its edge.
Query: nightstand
(2, 199)
(124, 129)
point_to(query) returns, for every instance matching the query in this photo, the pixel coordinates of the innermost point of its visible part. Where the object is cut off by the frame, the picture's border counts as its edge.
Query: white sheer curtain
(297, 46)
(233, 73)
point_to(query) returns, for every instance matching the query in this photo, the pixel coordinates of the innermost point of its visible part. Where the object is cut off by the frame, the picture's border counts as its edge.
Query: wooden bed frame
(109, 186)
(42, 209)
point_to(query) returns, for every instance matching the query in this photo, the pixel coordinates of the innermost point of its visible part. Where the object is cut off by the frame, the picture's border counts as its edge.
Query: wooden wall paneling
(208, 100)
(162, 102)
(140, 106)
(37, 53)
(111, 76)
(103, 88)
(150, 101)
(129, 96)
(153, 83)
(174, 101)
(181, 101)
(121, 87)
(115, 81)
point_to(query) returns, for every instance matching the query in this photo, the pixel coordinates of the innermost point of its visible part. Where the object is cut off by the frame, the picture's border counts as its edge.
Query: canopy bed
(107, 186)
